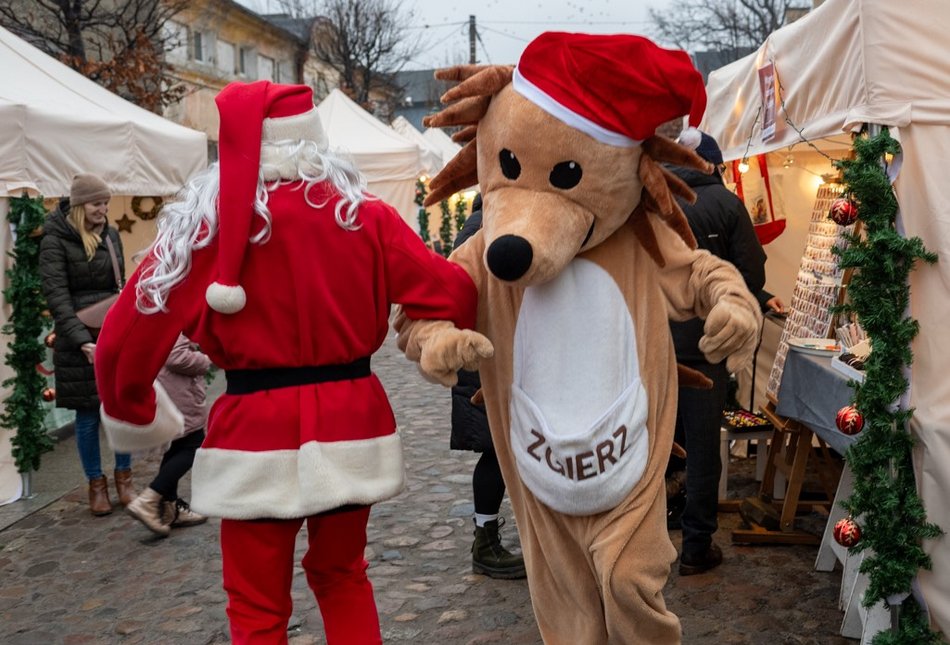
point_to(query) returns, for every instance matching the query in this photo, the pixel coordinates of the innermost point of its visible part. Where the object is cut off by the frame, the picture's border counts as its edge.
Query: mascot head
(564, 149)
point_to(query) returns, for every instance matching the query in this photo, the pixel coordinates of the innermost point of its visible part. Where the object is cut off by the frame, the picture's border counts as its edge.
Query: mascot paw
(448, 350)
(731, 332)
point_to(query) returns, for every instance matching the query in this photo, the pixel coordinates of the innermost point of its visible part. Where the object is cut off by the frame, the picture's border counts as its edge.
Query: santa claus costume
(283, 270)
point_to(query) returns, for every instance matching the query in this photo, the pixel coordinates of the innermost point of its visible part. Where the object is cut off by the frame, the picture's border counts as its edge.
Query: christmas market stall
(55, 123)
(391, 162)
(841, 121)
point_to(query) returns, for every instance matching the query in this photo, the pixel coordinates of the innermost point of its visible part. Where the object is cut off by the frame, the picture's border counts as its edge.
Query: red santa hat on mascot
(618, 89)
(251, 114)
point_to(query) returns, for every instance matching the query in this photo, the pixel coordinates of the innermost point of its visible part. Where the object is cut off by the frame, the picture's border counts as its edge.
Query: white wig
(191, 221)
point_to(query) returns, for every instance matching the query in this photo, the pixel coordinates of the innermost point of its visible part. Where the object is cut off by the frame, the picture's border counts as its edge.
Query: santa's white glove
(731, 331)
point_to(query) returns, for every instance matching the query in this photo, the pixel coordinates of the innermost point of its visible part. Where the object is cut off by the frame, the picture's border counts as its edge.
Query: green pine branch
(884, 500)
(23, 409)
(423, 214)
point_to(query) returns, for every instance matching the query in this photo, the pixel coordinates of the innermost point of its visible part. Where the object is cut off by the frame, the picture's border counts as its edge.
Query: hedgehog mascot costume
(281, 268)
(583, 259)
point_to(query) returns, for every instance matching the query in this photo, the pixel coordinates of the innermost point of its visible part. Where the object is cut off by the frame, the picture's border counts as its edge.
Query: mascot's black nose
(509, 257)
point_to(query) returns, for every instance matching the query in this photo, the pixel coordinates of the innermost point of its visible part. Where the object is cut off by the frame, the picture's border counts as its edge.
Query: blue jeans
(87, 441)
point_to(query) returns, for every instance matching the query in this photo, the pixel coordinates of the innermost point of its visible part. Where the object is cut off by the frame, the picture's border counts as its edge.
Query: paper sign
(769, 95)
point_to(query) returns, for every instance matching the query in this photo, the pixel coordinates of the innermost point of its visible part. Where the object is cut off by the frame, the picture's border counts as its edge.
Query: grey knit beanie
(87, 188)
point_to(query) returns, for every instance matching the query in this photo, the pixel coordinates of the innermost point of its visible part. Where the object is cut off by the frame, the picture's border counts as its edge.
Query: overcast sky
(506, 26)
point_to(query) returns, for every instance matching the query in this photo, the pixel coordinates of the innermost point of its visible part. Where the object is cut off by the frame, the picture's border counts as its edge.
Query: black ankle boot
(490, 558)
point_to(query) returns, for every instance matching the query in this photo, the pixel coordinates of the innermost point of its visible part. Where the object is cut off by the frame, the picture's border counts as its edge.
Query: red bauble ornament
(49, 394)
(847, 532)
(50, 339)
(844, 211)
(849, 420)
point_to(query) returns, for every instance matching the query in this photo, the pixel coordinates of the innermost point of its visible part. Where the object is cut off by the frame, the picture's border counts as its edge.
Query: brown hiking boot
(490, 558)
(99, 502)
(690, 565)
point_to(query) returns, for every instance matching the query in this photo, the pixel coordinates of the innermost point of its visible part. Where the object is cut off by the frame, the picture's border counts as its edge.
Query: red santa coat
(317, 295)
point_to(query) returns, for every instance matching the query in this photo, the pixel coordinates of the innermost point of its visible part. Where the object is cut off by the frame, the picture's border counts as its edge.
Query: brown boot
(123, 486)
(99, 502)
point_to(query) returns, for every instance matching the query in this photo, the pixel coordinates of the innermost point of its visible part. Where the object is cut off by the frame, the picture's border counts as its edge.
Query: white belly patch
(578, 406)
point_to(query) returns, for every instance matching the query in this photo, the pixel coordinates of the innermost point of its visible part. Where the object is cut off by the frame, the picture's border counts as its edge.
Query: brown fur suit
(581, 389)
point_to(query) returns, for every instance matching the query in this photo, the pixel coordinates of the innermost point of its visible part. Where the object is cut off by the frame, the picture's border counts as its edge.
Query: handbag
(94, 315)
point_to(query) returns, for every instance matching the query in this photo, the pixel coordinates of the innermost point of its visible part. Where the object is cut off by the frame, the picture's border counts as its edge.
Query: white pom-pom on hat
(225, 299)
(690, 137)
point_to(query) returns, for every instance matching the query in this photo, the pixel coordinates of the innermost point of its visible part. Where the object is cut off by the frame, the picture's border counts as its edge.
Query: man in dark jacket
(722, 226)
(470, 431)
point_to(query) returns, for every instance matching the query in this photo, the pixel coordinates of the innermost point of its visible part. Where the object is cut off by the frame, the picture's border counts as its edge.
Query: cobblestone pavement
(69, 578)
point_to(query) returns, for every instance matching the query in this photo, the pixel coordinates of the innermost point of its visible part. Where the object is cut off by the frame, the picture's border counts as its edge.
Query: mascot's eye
(510, 167)
(566, 174)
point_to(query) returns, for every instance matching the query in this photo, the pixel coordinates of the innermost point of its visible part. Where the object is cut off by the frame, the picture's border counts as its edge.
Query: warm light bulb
(743, 167)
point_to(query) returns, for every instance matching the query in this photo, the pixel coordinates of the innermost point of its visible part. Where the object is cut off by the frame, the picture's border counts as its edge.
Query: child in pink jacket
(159, 507)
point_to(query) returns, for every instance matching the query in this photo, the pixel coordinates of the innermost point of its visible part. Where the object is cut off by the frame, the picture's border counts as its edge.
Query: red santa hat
(251, 114)
(617, 89)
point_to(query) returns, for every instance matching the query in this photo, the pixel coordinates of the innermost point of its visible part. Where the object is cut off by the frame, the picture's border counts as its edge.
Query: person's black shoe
(690, 565)
(674, 510)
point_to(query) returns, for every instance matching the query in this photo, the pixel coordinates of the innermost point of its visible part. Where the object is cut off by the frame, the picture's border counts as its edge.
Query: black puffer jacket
(71, 282)
(722, 226)
(470, 429)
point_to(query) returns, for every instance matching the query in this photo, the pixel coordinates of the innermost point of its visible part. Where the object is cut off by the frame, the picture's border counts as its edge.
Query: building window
(285, 72)
(201, 46)
(225, 58)
(176, 39)
(265, 68)
(247, 62)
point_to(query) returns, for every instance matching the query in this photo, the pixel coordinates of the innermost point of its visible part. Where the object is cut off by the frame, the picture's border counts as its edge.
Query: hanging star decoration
(124, 223)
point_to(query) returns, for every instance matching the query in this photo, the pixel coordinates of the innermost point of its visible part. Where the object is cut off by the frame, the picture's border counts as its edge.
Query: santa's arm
(439, 346)
(136, 412)
(699, 284)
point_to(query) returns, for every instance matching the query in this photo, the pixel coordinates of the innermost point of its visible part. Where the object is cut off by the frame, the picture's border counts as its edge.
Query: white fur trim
(691, 138)
(546, 102)
(225, 299)
(168, 425)
(282, 484)
(304, 126)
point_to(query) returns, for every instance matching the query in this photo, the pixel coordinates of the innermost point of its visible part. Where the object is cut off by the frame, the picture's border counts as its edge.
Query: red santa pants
(258, 559)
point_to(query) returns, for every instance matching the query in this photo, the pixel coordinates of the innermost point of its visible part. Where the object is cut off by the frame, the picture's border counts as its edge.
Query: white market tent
(391, 162)
(880, 62)
(431, 156)
(55, 123)
(443, 142)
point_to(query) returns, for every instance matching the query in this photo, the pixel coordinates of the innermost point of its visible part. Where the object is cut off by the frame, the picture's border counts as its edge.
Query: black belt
(271, 378)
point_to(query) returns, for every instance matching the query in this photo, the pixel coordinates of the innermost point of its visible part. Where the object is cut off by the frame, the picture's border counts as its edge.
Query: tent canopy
(390, 162)
(381, 153)
(846, 63)
(54, 123)
(442, 142)
(431, 156)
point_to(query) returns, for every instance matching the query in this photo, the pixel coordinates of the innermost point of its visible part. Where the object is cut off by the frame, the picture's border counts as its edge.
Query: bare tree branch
(120, 45)
(729, 26)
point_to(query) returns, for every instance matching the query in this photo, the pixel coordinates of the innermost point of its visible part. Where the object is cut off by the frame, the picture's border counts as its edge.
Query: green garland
(23, 411)
(423, 213)
(461, 208)
(885, 501)
(445, 231)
